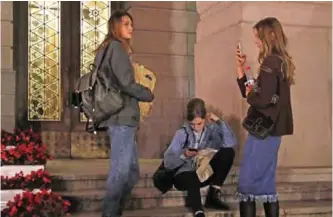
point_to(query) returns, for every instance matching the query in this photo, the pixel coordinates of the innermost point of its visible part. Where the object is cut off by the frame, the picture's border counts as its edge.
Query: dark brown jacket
(270, 77)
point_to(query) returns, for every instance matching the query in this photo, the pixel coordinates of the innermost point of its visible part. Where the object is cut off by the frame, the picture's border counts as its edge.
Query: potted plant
(22, 151)
(24, 157)
(35, 182)
(10, 140)
(40, 204)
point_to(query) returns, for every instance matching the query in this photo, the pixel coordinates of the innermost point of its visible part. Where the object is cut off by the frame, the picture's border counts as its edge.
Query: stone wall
(163, 41)
(308, 26)
(7, 71)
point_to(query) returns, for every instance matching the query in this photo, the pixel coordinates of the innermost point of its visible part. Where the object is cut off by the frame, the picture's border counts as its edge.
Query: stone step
(87, 168)
(98, 182)
(143, 198)
(92, 181)
(287, 209)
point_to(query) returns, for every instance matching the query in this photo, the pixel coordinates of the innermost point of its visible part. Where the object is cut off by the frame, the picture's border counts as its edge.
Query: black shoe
(247, 209)
(199, 214)
(272, 209)
(121, 207)
(120, 211)
(214, 200)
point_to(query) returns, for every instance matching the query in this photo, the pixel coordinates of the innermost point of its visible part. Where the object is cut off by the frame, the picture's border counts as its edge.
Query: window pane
(94, 20)
(44, 98)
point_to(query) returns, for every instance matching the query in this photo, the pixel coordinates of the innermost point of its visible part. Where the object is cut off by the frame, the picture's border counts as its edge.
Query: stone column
(7, 71)
(308, 26)
(163, 42)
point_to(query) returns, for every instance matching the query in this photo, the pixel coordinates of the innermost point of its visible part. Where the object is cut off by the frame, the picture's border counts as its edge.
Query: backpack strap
(186, 139)
(98, 61)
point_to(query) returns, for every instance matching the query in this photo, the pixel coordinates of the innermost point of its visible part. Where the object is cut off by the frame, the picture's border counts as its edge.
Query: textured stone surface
(164, 45)
(7, 71)
(87, 145)
(299, 209)
(6, 33)
(143, 198)
(308, 27)
(91, 168)
(83, 182)
(58, 143)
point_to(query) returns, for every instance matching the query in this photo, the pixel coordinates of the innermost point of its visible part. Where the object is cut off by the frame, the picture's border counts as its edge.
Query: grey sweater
(118, 68)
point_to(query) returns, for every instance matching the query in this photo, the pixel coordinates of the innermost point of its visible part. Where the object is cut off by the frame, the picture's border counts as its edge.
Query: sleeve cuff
(242, 79)
(183, 157)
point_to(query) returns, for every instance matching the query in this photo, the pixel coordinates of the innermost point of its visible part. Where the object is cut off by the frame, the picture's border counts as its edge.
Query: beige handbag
(146, 78)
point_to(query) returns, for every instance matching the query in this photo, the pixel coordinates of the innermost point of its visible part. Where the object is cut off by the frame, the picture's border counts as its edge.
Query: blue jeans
(124, 169)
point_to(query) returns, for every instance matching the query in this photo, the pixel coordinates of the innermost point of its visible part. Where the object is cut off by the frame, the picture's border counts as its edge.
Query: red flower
(9, 203)
(29, 208)
(66, 203)
(4, 156)
(12, 151)
(40, 179)
(38, 198)
(46, 180)
(17, 198)
(13, 211)
(34, 204)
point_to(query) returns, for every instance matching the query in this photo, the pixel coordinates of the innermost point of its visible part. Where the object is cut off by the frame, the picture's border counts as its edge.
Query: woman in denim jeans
(124, 168)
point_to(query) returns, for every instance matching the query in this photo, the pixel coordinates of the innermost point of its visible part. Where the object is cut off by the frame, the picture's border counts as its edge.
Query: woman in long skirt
(269, 95)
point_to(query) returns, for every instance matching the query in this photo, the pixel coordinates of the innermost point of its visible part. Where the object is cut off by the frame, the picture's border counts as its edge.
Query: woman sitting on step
(202, 132)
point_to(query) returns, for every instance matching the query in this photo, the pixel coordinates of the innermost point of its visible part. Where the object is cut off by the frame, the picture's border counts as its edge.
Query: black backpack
(96, 96)
(163, 178)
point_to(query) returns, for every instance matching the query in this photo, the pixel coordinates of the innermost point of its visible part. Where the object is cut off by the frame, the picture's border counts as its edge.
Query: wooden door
(53, 45)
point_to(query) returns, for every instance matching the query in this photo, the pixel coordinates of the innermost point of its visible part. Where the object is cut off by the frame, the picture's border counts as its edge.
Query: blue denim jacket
(216, 135)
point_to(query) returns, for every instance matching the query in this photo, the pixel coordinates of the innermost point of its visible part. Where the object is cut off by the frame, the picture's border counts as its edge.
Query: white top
(198, 138)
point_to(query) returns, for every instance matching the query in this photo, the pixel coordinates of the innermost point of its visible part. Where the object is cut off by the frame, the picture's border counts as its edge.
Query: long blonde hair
(271, 34)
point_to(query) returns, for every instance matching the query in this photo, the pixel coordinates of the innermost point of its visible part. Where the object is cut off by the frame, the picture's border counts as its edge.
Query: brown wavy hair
(114, 25)
(196, 108)
(271, 34)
